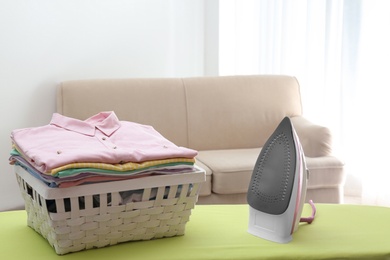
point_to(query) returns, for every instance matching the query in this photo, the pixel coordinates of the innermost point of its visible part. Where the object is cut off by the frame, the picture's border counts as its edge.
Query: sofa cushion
(232, 170)
(160, 103)
(238, 112)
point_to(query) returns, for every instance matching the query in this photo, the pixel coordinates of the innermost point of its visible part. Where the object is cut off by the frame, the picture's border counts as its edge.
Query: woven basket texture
(78, 223)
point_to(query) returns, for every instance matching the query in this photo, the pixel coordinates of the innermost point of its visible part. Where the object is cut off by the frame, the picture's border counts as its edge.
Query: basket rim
(198, 176)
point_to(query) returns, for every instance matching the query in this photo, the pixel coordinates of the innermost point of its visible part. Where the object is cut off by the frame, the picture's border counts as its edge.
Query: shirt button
(114, 147)
(59, 152)
(103, 138)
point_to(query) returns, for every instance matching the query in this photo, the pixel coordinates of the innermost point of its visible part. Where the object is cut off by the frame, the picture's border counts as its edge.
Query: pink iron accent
(313, 213)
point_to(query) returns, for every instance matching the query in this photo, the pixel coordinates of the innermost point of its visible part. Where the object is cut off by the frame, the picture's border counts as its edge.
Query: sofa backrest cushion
(203, 113)
(238, 111)
(160, 103)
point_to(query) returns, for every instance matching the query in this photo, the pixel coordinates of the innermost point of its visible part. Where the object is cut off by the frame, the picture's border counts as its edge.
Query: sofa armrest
(316, 140)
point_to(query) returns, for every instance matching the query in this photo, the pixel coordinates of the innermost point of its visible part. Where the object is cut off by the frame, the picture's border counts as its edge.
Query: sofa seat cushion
(232, 170)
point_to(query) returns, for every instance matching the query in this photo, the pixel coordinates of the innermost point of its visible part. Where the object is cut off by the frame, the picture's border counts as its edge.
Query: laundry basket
(101, 214)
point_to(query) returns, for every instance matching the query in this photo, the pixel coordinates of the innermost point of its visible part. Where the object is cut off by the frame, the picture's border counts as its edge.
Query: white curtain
(368, 145)
(339, 51)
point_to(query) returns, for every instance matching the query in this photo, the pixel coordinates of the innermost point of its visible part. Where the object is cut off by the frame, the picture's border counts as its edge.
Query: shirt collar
(106, 122)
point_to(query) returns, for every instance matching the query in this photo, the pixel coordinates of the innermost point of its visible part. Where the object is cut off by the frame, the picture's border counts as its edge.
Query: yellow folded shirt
(121, 167)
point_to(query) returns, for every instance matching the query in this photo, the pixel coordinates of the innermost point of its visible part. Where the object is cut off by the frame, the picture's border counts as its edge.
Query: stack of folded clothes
(70, 152)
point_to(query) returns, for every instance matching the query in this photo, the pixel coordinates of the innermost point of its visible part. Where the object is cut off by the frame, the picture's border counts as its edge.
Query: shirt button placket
(106, 141)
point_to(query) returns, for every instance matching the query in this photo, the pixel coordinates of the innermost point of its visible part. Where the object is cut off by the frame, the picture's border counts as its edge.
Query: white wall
(43, 42)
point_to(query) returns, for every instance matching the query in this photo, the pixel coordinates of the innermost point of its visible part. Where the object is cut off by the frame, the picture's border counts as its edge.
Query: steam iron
(277, 189)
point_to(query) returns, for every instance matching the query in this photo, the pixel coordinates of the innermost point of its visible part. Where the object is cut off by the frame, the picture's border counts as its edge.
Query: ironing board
(220, 232)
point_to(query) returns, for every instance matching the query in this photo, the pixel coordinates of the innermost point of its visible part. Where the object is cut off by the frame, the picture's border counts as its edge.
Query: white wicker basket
(92, 216)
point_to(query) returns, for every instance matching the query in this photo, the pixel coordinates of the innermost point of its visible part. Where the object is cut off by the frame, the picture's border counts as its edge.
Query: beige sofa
(227, 119)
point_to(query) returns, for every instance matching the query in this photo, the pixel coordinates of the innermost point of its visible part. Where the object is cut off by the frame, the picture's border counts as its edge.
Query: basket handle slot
(28, 189)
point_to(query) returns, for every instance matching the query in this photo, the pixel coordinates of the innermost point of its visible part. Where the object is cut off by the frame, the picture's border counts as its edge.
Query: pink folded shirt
(100, 138)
